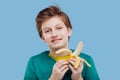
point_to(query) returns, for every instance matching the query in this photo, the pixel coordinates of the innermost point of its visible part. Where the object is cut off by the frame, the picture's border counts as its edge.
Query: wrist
(52, 78)
(78, 78)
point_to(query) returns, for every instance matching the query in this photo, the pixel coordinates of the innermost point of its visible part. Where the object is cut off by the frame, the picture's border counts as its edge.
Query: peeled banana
(72, 55)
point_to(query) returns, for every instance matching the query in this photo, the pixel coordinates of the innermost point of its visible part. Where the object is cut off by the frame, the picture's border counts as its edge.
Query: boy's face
(55, 33)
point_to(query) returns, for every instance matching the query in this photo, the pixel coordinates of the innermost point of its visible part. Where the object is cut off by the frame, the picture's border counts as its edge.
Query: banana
(73, 55)
(63, 51)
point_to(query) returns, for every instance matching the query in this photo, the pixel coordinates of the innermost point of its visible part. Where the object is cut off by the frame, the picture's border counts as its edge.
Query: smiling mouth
(56, 40)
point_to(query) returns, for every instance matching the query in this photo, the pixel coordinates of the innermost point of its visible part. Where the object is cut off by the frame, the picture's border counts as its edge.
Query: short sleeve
(30, 71)
(91, 72)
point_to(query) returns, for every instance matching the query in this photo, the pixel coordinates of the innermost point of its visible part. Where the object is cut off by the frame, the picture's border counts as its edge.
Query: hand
(59, 69)
(76, 73)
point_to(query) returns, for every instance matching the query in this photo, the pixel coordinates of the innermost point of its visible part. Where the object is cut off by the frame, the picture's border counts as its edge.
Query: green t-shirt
(40, 67)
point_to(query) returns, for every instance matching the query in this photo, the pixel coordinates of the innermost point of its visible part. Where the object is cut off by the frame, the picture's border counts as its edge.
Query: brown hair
(49, 12)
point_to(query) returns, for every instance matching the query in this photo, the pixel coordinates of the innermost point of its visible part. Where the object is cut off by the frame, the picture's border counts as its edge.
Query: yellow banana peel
(71, 55)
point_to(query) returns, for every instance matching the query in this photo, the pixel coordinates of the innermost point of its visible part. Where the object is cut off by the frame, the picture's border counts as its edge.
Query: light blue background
(95, 22)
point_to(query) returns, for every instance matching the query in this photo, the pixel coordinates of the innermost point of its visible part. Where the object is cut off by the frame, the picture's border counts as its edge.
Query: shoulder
(88, 58)
(84, 55)
(39, 56)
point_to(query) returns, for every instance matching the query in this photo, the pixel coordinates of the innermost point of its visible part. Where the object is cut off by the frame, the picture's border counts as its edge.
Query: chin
(57, 47)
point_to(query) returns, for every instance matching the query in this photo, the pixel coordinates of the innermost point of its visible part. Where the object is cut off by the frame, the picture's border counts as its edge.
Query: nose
(54, 33)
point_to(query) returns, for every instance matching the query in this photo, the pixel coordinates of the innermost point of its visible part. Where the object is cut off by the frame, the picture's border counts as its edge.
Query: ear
(69, 31)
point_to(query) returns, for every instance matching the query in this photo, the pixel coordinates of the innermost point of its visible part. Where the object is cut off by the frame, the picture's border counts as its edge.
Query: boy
(55, 29)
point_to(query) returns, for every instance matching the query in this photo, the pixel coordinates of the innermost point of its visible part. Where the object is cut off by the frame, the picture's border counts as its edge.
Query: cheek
(65, 33)
(45, 37)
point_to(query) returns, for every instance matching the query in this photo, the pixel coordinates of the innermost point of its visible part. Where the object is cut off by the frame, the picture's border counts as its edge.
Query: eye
(47, 31)
(60, 27)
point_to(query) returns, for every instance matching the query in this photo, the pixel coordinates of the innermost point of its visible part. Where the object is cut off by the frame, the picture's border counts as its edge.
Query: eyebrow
(45, 28)
(59, 24)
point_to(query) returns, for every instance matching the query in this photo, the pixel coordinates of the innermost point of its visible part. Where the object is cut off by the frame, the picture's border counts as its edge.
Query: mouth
(56, 40)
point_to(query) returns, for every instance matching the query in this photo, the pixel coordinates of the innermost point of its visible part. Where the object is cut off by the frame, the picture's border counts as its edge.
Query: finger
(65, 70)
(57, 64)
(81, 63)
(77, 62)
(62, 63)
(72, 62)
(73, 59)
(72, 68)
(64, 67)
(80, 67)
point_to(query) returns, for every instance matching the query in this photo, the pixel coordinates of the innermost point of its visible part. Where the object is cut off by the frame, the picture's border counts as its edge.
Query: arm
(91, 72)
(30, 71)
